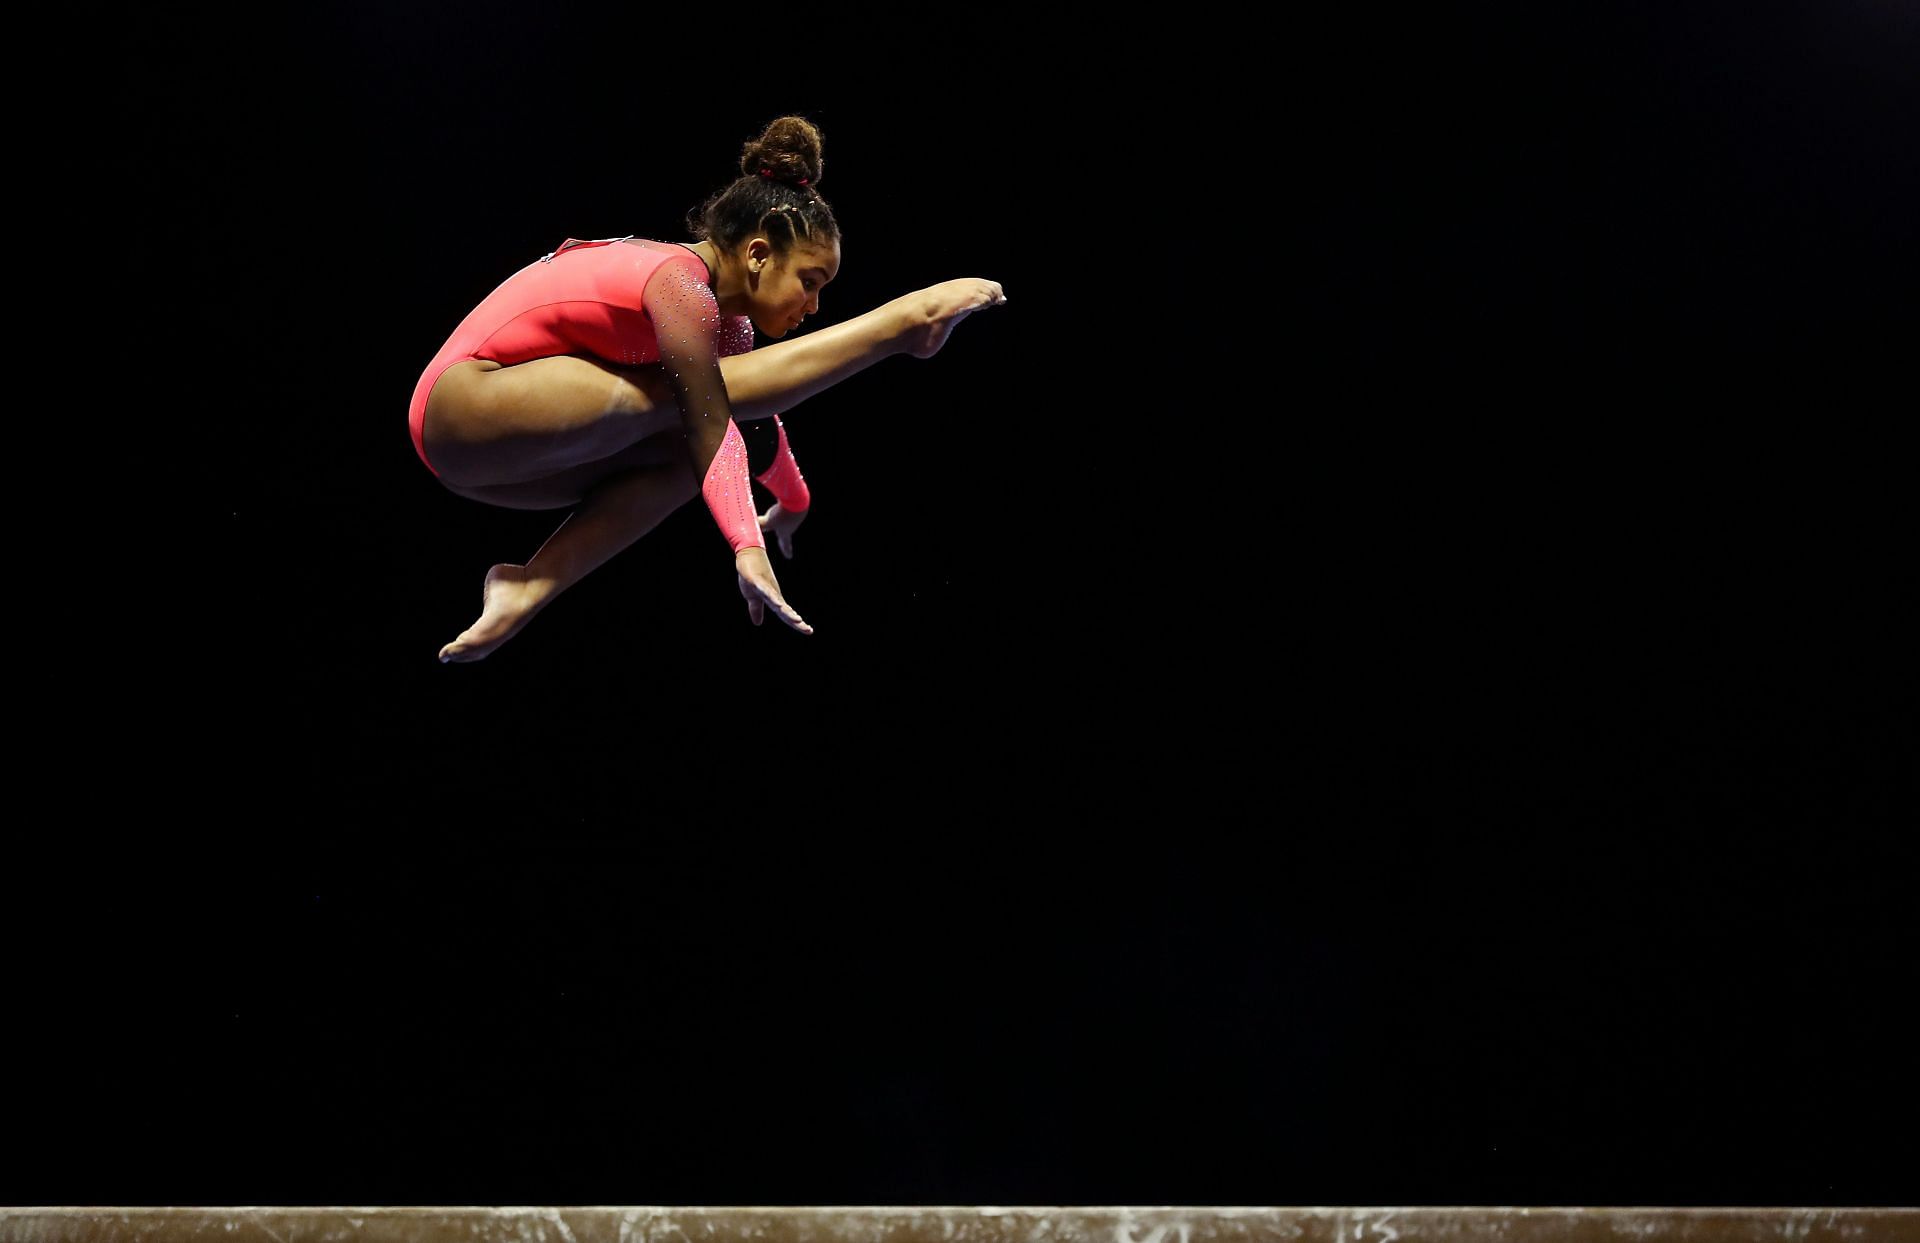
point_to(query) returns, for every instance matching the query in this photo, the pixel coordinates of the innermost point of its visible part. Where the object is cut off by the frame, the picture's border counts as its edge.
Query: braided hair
(775, 195)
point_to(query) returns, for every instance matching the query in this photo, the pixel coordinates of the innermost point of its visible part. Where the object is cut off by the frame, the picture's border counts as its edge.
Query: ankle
(900, 318)
(540, 583)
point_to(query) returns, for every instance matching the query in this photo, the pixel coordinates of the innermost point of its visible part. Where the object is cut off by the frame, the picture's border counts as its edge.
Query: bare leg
(620, 507)
(625, 502)
(760, 384)
(775, 378)
(617, 511)
(488, 425)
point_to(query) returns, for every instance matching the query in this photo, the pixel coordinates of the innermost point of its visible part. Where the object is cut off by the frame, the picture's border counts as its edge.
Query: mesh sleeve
(686, 324)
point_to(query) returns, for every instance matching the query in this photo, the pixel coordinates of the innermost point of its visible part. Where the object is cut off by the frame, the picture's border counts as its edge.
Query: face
(789, 288)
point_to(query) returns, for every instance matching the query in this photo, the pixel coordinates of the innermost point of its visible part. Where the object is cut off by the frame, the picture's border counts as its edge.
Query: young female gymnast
(610, 374)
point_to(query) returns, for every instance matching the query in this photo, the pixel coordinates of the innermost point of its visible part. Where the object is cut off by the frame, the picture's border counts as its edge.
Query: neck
(729, 284)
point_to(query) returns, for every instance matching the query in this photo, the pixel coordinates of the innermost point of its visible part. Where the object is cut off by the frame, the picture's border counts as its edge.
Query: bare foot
(937, 308)
(508, 601)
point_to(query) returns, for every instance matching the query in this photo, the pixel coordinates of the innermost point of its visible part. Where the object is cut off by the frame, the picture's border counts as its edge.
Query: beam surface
(976, 1224)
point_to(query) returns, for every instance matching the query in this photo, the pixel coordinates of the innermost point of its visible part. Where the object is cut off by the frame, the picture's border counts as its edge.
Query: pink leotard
(631, 301)
(587, 297)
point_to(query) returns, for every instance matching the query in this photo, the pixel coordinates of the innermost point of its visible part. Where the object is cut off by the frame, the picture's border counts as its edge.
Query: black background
(1383, 675)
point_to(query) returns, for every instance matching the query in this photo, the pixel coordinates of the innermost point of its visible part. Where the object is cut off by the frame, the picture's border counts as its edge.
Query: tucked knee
(649, 489)
(685, 485)
(642, 390)
(668, 453)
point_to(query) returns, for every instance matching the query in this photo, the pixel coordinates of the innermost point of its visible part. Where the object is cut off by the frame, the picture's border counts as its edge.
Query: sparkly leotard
(622, 299)
(584, 298)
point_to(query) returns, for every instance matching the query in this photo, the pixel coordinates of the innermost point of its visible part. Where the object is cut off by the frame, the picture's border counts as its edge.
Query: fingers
(792, 617)
(786, 612)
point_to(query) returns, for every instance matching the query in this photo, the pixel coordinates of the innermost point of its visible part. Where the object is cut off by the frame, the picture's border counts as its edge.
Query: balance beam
(978, 1224)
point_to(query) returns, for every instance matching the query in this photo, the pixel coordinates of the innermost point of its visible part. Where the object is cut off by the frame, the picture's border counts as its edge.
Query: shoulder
(681, 279)
(736, 334)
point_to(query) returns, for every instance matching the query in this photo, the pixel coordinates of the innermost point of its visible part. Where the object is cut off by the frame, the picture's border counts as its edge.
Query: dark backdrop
(1383, 675)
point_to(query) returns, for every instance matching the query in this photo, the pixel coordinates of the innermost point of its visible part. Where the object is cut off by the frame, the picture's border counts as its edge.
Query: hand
(761, 590)
(783, 523)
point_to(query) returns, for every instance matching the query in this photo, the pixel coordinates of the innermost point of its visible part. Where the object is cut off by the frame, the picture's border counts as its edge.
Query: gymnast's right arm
(686, 323)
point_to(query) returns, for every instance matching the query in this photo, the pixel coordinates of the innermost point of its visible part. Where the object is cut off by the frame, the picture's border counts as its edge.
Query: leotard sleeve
(686, 324)
(769, 456)
(783, 477)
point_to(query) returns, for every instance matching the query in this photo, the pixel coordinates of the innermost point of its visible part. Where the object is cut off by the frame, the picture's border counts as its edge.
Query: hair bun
(787, 150)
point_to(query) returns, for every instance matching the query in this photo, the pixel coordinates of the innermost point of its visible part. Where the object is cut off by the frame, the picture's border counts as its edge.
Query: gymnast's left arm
(782, 478)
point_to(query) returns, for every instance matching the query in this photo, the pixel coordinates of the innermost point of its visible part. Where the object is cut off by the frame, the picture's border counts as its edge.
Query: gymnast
(615, 375)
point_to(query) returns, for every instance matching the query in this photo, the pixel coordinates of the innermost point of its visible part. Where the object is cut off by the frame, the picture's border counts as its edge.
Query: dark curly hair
(776, 196)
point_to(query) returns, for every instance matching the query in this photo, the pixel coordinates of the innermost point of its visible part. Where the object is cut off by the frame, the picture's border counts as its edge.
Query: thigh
(486, 423)
(567, 488)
